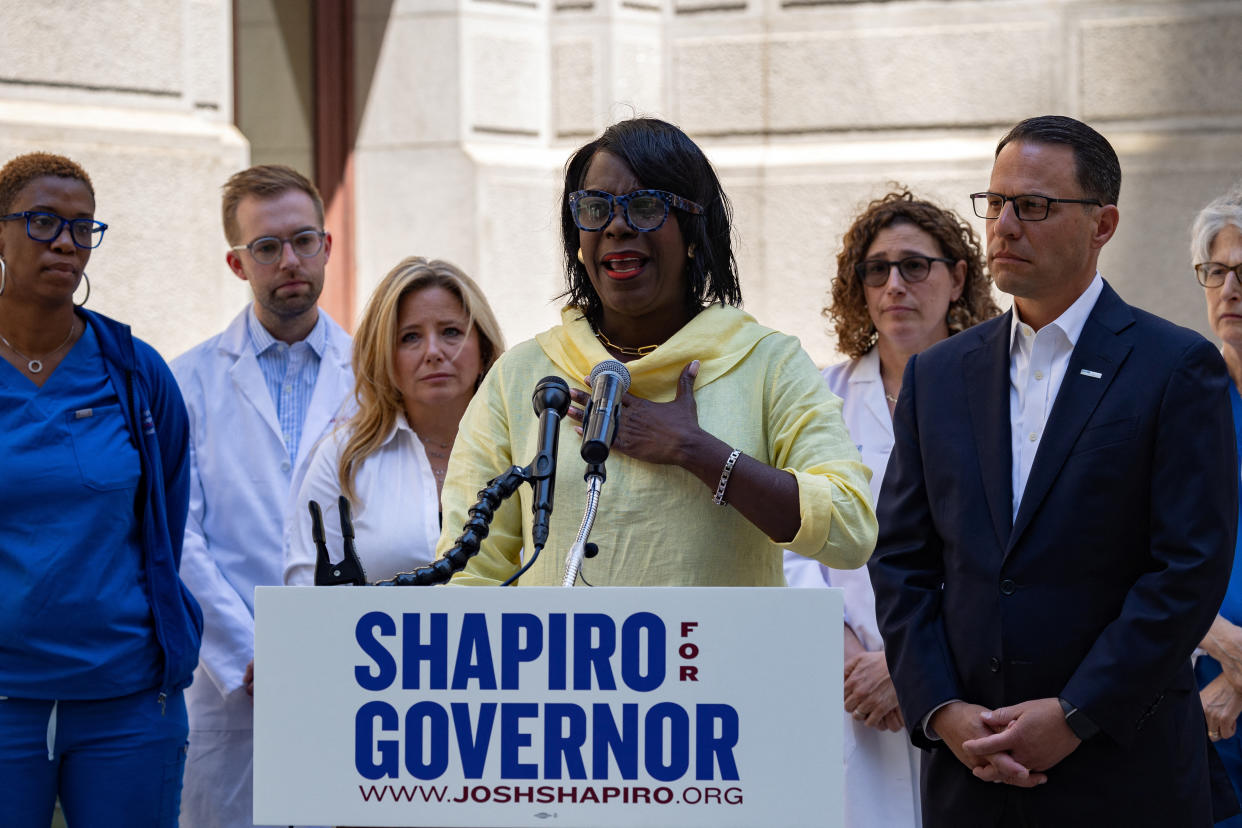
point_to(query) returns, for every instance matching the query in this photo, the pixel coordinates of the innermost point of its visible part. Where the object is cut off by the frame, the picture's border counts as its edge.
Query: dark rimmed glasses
(874, 272)
(1214, 274)
(643, 210)
(1027, 207)
(45, 227)
(267, 249)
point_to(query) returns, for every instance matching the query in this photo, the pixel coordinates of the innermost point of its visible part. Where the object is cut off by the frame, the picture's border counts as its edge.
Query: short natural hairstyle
(376, 389)
(1221, 211)
(856, 333)
(263, 181)
(23, 169)
(1096, 167)
(662, 157)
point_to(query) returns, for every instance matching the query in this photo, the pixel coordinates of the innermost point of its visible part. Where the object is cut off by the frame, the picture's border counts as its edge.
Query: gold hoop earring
(87, 279)
(4, 275)
(581, 260)
(690, 251)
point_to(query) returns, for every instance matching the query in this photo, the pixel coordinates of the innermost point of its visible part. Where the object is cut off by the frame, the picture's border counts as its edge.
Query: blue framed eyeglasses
(46, 227)
(643, 210)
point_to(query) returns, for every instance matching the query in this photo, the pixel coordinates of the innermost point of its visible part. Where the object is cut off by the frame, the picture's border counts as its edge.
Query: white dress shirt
(397, 522)
(1037, 364)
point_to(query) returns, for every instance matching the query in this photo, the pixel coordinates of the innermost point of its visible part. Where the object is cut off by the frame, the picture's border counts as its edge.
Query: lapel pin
(1092, 374)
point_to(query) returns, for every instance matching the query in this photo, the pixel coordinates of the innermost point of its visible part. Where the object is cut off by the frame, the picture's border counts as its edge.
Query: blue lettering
(678, 742)
(365, 744)
(557, 743)
(631, 651)
(590, 654)
(473, 744)
(474, 654)
(557, 672)
(512, 651)
(385, 665)
(623, 743)
(431, 715)
(414, 652)
(512, 738)
(710, 747)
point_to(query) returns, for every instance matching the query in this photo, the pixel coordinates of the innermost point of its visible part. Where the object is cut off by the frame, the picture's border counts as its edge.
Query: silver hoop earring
(4, 275)
(88, 291)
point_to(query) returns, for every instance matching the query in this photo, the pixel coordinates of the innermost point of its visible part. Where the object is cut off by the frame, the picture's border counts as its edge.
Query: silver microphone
(609, 382)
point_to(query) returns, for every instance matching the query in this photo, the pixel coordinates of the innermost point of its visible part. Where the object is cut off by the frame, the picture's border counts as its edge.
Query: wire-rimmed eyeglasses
(643, 210)
(874, 272)
(267, 249)
(1027, 207)
(1214, 274)
(45, 227)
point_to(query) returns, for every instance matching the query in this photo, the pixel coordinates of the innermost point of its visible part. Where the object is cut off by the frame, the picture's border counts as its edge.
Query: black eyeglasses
(267, 249)
(1026, 207)
(874, 272)
(643, 210)
(1213, 274)
(46, 227)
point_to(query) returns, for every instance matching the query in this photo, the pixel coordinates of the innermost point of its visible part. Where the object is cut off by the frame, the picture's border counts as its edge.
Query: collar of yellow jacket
(719, 337)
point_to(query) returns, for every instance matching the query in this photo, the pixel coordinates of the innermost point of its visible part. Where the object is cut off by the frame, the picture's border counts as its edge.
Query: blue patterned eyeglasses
(45, 227)
(643, 210)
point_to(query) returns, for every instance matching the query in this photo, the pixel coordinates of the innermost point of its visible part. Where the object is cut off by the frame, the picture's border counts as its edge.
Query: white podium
(528, 706)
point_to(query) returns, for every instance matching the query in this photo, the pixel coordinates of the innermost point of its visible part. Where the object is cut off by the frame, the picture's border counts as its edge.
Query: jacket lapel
(1093, 365)
(987, 393)
(245, 375)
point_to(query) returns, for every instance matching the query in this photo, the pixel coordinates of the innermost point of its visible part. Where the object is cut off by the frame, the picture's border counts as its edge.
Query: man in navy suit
(1057, 525)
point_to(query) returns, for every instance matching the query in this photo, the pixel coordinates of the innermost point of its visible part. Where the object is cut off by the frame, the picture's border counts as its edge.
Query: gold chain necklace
(35, 365)
(638, 352)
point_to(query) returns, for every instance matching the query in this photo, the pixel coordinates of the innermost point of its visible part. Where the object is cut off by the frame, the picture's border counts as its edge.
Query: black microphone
(609, 381)
(551, 401)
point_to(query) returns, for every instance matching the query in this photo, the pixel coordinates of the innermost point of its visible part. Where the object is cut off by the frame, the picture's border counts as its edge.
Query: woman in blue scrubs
(98, 636)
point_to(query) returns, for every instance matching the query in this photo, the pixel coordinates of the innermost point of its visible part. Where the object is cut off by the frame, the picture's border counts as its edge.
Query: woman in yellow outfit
(729, 447)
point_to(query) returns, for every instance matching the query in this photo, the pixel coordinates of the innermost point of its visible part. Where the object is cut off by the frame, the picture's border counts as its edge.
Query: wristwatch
(1078, 722)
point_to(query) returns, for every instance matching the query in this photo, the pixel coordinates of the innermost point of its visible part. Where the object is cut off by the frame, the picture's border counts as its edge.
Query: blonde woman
(426, 339)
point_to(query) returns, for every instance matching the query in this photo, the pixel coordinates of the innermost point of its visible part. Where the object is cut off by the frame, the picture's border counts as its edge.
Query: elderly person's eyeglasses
(1027, 207)
(643, 210)
(267, 249)
(46, 227)
(874, 272)
(1213, 274)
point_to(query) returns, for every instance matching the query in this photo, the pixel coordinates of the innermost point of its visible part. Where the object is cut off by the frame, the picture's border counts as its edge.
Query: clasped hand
(1015, 745)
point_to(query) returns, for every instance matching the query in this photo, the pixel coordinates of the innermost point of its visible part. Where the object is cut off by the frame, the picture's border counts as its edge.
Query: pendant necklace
(35, 365)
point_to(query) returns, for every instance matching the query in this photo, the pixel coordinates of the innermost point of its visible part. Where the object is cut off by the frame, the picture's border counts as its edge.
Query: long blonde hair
(375, 379)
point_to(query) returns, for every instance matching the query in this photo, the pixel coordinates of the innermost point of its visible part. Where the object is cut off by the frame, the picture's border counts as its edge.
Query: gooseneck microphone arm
(551, 402)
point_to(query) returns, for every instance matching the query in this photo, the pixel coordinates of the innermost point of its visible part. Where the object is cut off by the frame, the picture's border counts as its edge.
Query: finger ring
(1215, 734)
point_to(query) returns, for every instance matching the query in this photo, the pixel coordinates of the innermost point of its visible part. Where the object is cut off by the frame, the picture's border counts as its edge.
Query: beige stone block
(209, 49)
(1160, 66)
(408, 78)
(574, 79)
(637, 62)
(505, 78)
(56, 43)
(704, 69)
(275, 104)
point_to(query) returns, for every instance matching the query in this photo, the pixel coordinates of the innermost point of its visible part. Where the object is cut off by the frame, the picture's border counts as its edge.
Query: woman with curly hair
(909, 274)
(100, 635)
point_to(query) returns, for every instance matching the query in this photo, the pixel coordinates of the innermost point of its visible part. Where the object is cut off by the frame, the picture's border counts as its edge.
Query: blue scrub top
(75, 622)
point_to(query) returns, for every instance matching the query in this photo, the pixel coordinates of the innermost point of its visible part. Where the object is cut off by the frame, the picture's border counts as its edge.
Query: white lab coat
(881, 768)
(241, 476)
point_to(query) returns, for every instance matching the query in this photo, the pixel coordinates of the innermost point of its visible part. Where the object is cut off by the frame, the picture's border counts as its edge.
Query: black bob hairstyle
(662, 157)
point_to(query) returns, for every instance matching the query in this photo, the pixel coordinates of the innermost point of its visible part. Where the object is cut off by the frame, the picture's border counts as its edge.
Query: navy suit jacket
(1100, 588)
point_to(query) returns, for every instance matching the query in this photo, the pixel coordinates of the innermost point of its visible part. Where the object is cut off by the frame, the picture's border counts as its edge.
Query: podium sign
(545, 706)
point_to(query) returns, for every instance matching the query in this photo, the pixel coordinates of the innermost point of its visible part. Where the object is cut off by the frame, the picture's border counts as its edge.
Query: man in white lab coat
(260, 394)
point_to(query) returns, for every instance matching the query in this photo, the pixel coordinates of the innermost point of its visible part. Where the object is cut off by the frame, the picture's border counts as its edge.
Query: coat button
(994, 664)
(1007, 587)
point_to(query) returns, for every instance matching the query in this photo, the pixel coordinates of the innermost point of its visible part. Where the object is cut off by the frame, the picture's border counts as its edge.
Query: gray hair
(1213, 218)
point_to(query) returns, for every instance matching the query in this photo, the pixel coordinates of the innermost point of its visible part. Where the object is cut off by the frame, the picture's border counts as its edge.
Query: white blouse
(397, 522)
